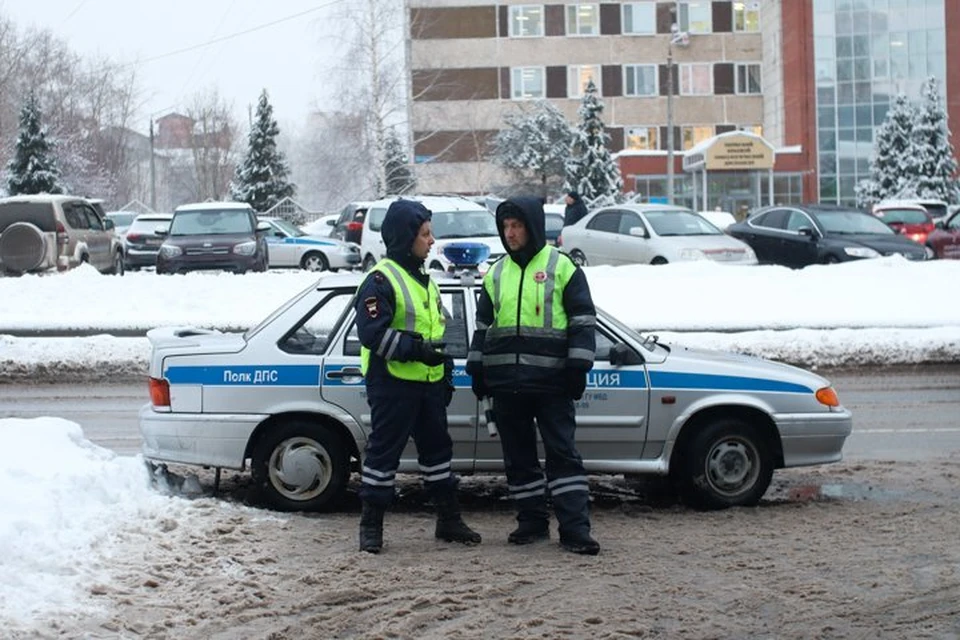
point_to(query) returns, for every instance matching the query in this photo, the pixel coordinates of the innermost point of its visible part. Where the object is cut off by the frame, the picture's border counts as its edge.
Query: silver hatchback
(288, 396)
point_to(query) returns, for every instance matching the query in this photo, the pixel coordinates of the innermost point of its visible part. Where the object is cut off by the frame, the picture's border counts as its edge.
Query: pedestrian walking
(574, 210)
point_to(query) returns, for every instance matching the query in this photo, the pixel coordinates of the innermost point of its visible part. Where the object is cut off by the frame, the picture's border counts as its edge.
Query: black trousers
(397, 412)
(519, 415)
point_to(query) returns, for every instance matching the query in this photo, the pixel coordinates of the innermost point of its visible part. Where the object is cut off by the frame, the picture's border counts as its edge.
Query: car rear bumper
(214, 440)
(810, 439)
(140, 257)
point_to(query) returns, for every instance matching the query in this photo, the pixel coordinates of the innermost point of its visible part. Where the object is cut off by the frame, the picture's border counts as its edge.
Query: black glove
(478, 384)
(448, 388)
(429, 353)
(575, 383)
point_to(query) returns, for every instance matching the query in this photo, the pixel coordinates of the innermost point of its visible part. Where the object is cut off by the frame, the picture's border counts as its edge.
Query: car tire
(300, 466)
(659, 260)
(314, 261)
(831, 259)
(726, 464)
(369, 263)
(578, 258)
(118, 267)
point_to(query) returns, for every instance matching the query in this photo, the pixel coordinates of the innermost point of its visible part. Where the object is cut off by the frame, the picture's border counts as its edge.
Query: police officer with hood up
(534, 344)
(400, 321)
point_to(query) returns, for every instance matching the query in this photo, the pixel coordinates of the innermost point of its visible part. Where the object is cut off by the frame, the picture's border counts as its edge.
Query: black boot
(371, 528)
(530, 531)
(579, 542)
(450, 526)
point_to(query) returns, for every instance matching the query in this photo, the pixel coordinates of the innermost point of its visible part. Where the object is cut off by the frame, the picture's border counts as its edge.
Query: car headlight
(347, 249)
(245, 248)
(692, 254)
(861, 252)
(170, 251)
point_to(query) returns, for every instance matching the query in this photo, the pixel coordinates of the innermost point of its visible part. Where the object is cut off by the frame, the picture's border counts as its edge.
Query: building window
(696, 79)
(639, 18)
(527, 83)
(640, 80)
(583, 19)
(694, 135)
(579, 76)
(642, 138)
(696, 17)
(746, 16)
(756, 129)
(526, 21)
(748, 78)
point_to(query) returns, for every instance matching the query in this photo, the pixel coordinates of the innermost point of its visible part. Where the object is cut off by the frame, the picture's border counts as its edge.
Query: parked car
(42, 232)
(944, 240)
(911, 220)
(454, 219)
(288, 396)
(121, 220)
(938, 209)
(289, 247)
(323, 226)
(349, 225)
(649, 234)
(141, 242)
(213, 235)
(801, 235)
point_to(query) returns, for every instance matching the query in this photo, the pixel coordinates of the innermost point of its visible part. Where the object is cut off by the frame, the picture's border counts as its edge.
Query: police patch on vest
(540, 276)
(372, 309)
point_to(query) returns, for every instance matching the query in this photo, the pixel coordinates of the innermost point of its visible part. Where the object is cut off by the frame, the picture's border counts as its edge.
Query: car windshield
(211, 222)
(463, 224)
(148, 225)
(288, 228)
(849, 222)
(903, 216)
(680, 223)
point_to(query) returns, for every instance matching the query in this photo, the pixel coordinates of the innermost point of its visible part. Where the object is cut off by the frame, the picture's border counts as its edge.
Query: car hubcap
(313, 263)
(731, 466)
(300, 469)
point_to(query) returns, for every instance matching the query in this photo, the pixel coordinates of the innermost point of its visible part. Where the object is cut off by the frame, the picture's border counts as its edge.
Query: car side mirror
(939, 224)
(109, 224)
(639, 232)
(807, 231)
(622, 355)
(263, 226)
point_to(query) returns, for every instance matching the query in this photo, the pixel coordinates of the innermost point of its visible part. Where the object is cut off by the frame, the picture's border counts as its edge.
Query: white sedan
(650, 234)
(289, 247)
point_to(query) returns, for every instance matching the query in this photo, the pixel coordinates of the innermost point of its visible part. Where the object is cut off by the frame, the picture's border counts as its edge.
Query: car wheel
(314, 261)
(659, 260)
(931, 252)
(369, 263)
(578, 258)
(118, 268)
(726, 464)
(300, 466)
(831, 259)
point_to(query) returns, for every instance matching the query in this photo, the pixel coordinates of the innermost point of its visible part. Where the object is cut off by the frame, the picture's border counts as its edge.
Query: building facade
(788, 71)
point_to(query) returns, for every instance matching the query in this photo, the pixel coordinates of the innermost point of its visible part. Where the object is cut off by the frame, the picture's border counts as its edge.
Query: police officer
(400, 321)
(535, 342)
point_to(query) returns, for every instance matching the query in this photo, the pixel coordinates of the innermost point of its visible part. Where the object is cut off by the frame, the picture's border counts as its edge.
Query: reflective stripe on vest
(418, 310)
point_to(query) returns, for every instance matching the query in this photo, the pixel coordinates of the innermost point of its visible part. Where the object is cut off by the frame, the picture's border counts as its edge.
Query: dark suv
(213, 235)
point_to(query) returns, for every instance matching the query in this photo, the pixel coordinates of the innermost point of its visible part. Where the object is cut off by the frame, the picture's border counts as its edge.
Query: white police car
(290, 247)
(288, 396)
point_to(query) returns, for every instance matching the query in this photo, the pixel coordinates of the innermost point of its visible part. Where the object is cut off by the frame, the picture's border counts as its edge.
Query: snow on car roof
(202, 206)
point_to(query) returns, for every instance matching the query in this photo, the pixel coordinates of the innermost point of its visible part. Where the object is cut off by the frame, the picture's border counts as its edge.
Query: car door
(799, 245)
(764, 234)
(599, 237)
(632, 248)
(98, 239)
(280, 247)
(343, 384)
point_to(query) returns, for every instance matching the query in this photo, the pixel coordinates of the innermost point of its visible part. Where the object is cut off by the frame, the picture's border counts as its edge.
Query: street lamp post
(679, 38)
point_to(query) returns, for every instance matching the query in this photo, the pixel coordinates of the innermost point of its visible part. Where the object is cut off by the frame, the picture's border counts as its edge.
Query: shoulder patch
(373, 310)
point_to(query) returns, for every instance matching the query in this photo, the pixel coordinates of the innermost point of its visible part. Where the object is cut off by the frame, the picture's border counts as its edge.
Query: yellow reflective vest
(417, 310)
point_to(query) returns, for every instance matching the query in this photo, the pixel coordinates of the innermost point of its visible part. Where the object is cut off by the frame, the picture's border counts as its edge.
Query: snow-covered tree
(534, 147)
(895, 162)
(591, 169)
(261, 178)
(938, 166)
(397, 167)
(33, 168)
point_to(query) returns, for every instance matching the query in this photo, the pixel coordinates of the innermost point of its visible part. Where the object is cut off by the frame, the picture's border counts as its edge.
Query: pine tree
(396, 167)
(534, 147)
(591, 169)
(33, 168)
(895, 162)
(261, 179)
(938, 165)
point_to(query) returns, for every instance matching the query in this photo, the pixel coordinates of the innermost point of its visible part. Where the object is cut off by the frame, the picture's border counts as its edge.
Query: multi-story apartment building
(788, 73)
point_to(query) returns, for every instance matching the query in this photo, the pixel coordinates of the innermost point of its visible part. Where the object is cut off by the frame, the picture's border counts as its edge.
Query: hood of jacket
(400, 227)
(530, 211)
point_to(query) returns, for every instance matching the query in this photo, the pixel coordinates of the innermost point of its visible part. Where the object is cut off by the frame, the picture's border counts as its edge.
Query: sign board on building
(738, 153)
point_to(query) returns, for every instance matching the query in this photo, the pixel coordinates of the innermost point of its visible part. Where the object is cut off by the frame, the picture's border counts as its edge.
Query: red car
(945, 238)
(911, 220)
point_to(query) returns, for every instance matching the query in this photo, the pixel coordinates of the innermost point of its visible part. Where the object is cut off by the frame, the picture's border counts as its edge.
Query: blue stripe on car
(309, 241)
(676, 380)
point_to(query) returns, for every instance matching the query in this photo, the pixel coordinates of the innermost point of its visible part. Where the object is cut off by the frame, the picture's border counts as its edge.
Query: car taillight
(133, 237)
(159, 393)
(62, 237)
(354, 226)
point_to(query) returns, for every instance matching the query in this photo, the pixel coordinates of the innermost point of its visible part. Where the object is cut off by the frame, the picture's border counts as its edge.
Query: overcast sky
(286, 49)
